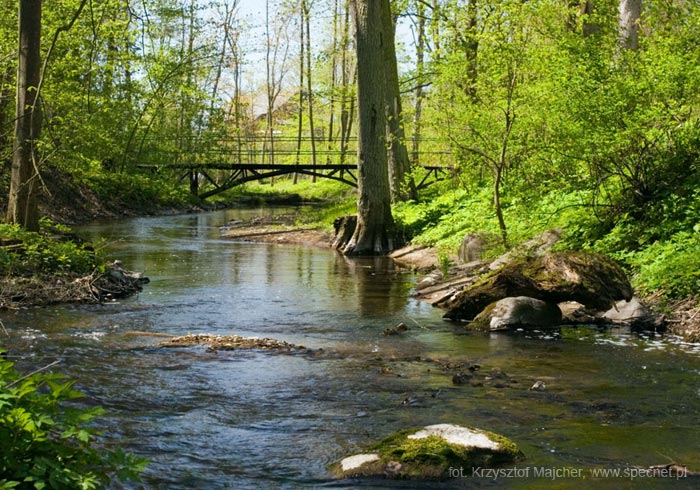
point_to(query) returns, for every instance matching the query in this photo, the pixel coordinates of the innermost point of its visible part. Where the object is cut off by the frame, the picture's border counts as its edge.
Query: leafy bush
(137, 191)
(670, 266)
(44, 252)
(47, 444)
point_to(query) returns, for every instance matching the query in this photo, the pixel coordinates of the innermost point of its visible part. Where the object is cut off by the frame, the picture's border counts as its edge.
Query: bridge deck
(240, 173)
(254, 166)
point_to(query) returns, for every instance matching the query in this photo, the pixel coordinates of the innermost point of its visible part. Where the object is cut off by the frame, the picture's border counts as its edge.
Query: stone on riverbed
(429, 453)
(518, 312)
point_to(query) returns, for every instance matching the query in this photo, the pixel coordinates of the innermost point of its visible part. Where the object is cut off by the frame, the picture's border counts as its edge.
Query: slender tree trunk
(630, 15)
(300, 112)
(435, 29)
(402, 187)
(228, 17)
(237, 73)
(498, 175)
(350, 119)
(587, 7)
(22, 200)
(188, 109)
(6, 98)
(307, 15)
(334, 79)
(375, 233)
(420, 72)
(472, 50)
(270, 88)
(346, 107)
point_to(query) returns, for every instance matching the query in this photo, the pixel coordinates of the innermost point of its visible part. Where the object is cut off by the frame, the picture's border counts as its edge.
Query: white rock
(354, 462)
(460, 436)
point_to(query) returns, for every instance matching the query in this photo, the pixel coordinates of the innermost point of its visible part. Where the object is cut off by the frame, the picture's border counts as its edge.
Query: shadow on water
(260, 420)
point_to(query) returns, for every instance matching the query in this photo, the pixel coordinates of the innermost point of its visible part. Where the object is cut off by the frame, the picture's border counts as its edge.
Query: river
(259, 420)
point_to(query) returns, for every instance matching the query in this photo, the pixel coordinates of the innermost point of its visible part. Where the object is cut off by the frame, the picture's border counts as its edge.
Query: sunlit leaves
(47, 444)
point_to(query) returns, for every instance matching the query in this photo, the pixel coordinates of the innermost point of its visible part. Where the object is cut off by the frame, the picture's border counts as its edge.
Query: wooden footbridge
(213, 172)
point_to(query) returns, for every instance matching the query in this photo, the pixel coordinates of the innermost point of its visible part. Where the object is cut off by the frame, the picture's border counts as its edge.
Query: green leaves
(42, 253)
(47, 444)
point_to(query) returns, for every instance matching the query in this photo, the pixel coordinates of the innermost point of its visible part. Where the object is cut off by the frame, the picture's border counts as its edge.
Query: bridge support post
(194, 182)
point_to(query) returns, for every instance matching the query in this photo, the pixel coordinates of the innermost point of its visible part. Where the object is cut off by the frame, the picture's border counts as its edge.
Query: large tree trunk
(22, 202)
(630, 14)
(402, 187)
(375, 233)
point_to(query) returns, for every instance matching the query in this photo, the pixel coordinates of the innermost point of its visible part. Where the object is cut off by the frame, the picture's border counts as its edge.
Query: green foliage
(30, 253)
(670, 267)
(444, 219)
(444, 262)
(48, 443)
(325, 190)
(601, 141)
(137, 191)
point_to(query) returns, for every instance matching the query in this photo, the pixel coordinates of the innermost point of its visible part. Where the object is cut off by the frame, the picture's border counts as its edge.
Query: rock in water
(538, 386)
(590, 279)
(401, 327)
(520, 311)
(633, 313)
(429, 453)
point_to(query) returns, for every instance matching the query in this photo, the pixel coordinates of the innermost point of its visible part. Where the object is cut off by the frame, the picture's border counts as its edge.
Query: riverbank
(282, 228)
(681, 317)
(107, 284)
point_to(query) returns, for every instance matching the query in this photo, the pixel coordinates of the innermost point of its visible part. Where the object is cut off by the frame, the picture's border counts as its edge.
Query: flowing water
(212, 420)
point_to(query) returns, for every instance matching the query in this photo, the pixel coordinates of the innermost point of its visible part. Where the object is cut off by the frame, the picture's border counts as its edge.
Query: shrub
(44, 252)
(669, 266)
(47, 444)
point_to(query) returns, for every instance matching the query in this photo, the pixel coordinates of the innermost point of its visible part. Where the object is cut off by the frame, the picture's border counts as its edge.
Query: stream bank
(681, 318)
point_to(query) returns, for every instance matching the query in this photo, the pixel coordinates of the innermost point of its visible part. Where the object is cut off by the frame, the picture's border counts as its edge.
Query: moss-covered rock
(429, 453)
(587, 278)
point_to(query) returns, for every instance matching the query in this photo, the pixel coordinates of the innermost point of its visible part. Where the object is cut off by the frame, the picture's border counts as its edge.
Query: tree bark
(630, 14)
(6, 98)
(312, 129)
(579, 8)
(300, 112)
(347, 108)
(471, 48)
(376, 233)
(22, 200)
(402, 187)
(420, 73)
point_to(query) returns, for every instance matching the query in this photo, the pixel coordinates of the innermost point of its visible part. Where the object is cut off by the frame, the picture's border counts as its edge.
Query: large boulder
(534, 247)
(518, 312)
(432, 452)
(587, 278)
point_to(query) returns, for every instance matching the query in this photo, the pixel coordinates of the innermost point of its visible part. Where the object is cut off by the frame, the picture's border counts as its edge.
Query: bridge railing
(282, 149)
